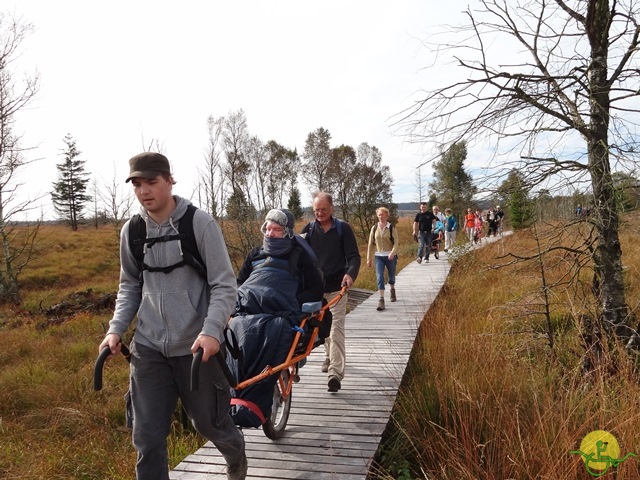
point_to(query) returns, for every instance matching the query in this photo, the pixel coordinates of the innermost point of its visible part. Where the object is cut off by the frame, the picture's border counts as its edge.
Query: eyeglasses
(321, 210)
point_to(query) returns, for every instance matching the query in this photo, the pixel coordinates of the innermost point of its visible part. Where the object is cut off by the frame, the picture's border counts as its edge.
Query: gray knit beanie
(282, 217)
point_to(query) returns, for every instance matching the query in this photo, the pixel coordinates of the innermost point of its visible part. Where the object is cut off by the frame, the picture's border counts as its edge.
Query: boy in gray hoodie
(179, 310)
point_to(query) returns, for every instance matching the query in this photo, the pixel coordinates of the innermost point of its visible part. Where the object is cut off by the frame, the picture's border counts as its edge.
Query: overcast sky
(117, 75)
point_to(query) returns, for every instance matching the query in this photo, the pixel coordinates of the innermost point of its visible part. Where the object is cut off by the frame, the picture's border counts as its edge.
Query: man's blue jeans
(424, 243)
(381, 263)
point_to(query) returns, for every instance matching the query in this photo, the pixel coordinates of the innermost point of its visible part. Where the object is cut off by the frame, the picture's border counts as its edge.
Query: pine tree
(294, 204)
(69, 195)
(520, 209)
(452, 184)
(515, 191)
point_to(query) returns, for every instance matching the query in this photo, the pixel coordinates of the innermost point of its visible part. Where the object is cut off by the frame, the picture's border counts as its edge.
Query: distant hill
(409, 206)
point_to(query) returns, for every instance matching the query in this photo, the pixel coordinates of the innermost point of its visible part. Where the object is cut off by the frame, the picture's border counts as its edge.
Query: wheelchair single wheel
(277, 421)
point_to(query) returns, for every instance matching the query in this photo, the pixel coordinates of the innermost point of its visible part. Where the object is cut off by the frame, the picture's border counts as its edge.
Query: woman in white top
(383, 245)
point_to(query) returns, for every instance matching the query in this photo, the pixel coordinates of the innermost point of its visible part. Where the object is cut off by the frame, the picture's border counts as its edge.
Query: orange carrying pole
(291, 358)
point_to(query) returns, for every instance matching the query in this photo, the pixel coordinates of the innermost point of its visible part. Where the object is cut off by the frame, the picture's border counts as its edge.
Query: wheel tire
(277, 421)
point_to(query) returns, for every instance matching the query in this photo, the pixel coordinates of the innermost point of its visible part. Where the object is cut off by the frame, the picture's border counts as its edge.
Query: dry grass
(484, 398)
(52, 423)
(487, 398)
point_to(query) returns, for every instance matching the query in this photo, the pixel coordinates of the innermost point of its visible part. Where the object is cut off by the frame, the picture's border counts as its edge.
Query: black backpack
(190, 254)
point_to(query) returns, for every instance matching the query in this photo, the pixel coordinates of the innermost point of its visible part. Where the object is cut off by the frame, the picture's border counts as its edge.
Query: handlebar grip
(97, 371)
(195, 369)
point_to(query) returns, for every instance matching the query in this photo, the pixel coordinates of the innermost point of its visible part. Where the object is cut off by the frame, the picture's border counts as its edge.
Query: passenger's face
(274, 230)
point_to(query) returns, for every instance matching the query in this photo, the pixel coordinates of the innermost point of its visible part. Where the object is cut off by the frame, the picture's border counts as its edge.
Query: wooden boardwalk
(336, 435)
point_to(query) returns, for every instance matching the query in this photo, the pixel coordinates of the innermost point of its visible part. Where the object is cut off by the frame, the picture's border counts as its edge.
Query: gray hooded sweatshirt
(174, 308)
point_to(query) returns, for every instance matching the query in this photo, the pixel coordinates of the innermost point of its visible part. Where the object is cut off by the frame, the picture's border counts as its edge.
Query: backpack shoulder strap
(375, 228)
(191, 255)
(308, 229)
(137, 237)
(190, 247)
(312, 225)
(339, 227)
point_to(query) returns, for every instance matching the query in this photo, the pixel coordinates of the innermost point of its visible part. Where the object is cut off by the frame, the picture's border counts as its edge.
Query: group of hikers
(474, 223)
(430, 228)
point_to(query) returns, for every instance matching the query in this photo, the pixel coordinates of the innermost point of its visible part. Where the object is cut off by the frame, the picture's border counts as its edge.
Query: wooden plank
(335, 435)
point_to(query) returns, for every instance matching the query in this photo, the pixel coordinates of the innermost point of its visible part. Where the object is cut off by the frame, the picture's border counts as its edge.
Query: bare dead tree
(418, 182)
(561, 112)
(18, 242)
(256, 155)
(117, 200)
(211, 185)
(235, 137)
(94, 185)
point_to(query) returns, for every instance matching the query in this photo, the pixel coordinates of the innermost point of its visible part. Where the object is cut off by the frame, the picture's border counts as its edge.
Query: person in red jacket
(470, 225)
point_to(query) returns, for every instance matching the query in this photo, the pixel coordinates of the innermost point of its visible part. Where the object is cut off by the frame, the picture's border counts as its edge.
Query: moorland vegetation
(498, 384)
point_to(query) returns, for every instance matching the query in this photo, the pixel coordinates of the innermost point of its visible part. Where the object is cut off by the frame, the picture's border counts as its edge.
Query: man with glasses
(335, 245)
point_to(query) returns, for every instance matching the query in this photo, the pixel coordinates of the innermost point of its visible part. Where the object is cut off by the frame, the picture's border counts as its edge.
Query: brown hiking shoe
(380, 304)
(333, 385)
(393, 294)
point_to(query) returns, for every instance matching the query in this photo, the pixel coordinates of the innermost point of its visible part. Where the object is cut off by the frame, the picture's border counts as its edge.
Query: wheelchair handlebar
(102, 357)
(195, 369)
